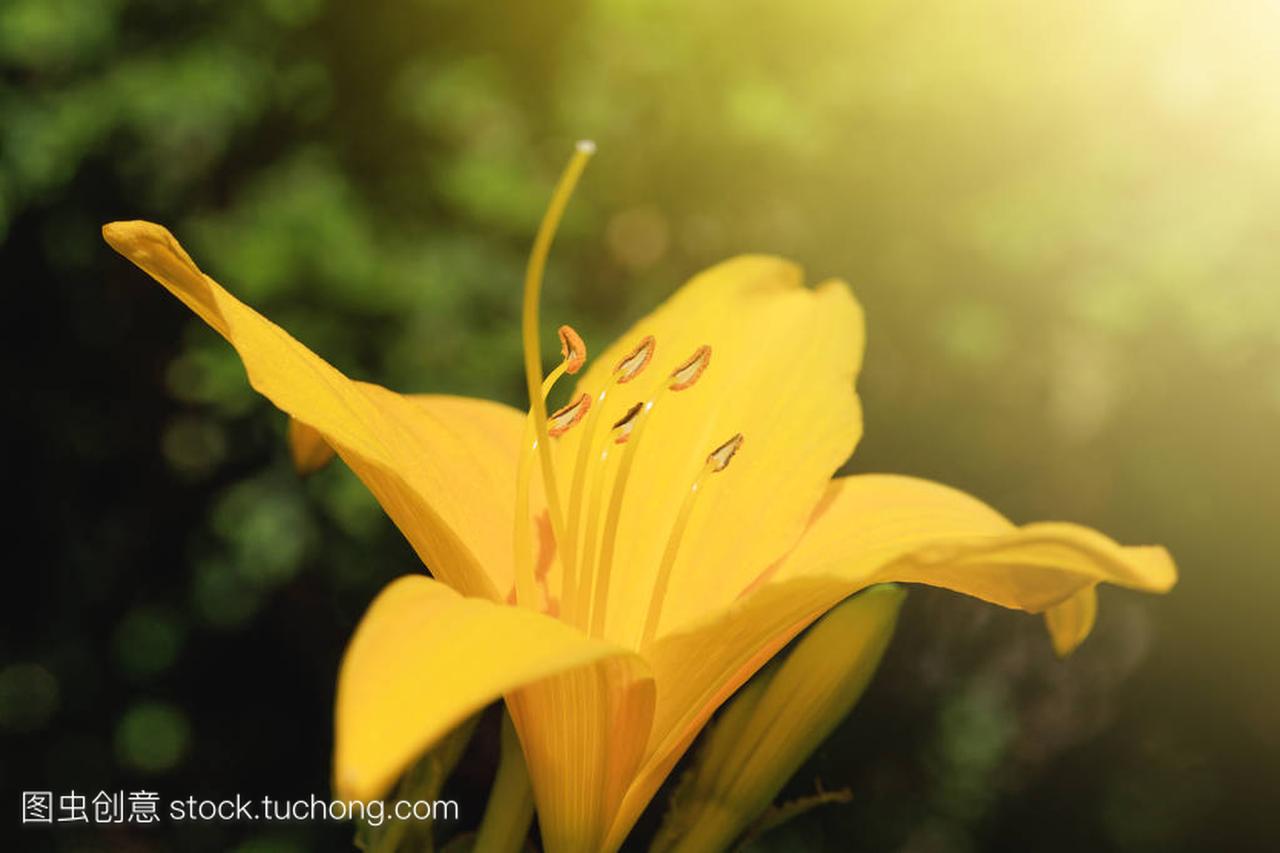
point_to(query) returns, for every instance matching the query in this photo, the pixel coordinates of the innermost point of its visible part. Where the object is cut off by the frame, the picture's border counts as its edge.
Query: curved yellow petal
(490, 434)
(782, 367)
(871, 529)
(487, 438)
(584, 733)
(447, 498)
(1070, 622)
(422, 660)
(777, 720)
(699, 667)
(879, 527)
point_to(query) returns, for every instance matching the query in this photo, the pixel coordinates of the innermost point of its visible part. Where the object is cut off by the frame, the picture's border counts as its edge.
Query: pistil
(525, 583)
(573, 355)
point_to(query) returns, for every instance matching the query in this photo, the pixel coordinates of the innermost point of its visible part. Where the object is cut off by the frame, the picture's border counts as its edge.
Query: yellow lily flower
(675, 568)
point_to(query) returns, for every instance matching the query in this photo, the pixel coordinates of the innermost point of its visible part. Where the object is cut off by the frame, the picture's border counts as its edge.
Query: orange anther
(622, 429)
(563, 419)
(720, 457)
(572, 349)
(687, 374)
(629, 368)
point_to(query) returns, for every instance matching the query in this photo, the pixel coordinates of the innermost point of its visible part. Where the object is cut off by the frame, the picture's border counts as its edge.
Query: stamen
(623, 426)
(600, 600)
(566, 417)
(569, 584)
(636, 361)
(526, 586)
(579, 611)
(626, 370)
(572, 349)
(600, 475)
(686, 374)
(717, 461)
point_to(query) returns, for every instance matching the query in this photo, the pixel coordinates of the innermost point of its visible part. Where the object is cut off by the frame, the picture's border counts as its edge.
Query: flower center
(587, 538)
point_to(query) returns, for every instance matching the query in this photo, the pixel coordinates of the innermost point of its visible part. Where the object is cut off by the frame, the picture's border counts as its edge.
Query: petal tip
(1154, 568)
(1168, 568)
(126, 231)
(134, 238)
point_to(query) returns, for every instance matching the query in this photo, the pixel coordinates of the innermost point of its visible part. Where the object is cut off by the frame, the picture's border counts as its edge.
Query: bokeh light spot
(267, 528)
(152, 737)
(975, 332)
(221, 595)
(194, 446)
(28, 697)
(639, 236)
(148, 641)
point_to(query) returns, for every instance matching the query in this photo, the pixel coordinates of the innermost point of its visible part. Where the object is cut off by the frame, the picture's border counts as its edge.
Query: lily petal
(491, 435)
(428, 476)
(584, 733)
(402, 685)
(871, 529)
(782, 367)
(777, 720)
(699, 667)
(878, 527)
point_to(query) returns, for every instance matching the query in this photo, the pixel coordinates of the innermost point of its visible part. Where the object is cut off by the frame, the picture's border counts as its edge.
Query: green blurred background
(1063, 219)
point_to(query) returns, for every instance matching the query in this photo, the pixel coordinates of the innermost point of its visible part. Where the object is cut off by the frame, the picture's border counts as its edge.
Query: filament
(669, 555)
(626, 369)
(609, 542)
(568, 589)
(631, 430)
(717, 461)
(581, 602)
